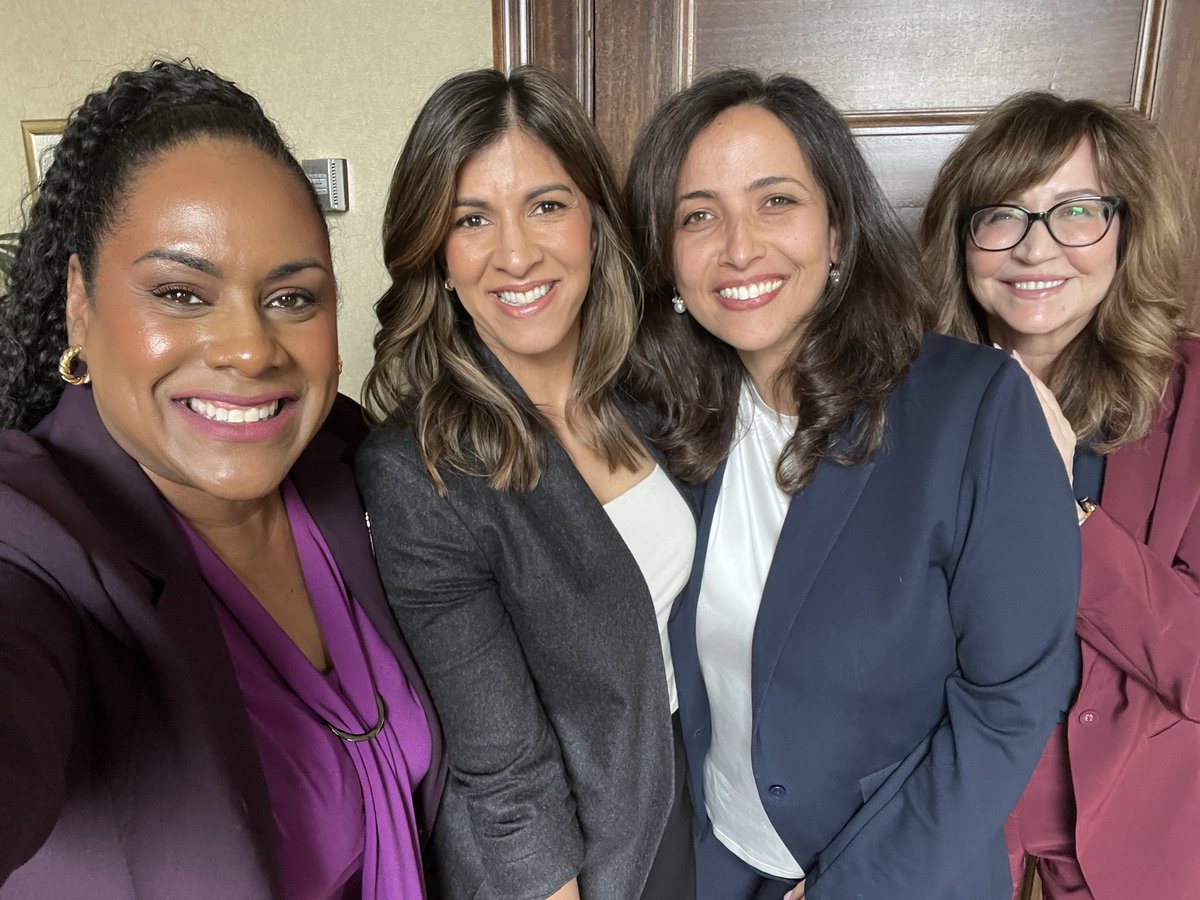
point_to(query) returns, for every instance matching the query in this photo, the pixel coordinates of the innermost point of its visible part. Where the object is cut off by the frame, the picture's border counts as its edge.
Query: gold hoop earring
(66, 365)
(340, 364)
(448, 284)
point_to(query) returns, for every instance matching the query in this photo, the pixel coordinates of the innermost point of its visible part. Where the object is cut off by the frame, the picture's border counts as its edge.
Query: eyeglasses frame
(1115, 203)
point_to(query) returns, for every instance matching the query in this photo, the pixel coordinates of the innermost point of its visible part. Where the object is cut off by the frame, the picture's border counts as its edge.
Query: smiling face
(519, 253)
(1039, 295)
(752, 241)
(210, 329)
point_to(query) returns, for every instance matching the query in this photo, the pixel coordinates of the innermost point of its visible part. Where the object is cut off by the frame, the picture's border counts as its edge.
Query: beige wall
(342, 79)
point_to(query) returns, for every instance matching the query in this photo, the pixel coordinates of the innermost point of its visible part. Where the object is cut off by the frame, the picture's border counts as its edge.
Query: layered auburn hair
(861, 336)
(1110, 379)
(431, 368)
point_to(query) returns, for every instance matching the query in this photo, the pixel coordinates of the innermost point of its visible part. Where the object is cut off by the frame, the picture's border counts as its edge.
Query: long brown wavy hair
(430, 365)
(861, 337)
(1110, 379)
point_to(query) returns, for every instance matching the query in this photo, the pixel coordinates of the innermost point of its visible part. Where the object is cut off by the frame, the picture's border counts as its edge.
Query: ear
(79, 305)
(835, 244)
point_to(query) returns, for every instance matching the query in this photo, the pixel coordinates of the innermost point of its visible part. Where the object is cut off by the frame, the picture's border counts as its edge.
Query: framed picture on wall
(41, 137)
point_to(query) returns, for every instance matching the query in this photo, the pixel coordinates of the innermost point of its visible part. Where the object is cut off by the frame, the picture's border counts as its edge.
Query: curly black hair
(112, 136)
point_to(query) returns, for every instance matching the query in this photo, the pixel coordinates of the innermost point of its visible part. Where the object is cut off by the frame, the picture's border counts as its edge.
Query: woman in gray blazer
(530, 540)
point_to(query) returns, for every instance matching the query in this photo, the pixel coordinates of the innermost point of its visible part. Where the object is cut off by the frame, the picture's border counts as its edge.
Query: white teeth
(524, 298)
(1037, 285)
(241, 415)
(751, 291)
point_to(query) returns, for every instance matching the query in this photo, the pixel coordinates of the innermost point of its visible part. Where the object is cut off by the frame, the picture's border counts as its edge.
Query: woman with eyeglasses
(1056, 230)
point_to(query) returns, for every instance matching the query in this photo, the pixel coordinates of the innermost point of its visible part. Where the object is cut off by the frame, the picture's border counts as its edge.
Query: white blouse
(658, 528)
(746, 524)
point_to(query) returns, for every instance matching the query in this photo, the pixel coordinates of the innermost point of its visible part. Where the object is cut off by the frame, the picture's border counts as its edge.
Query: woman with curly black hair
(202, 693)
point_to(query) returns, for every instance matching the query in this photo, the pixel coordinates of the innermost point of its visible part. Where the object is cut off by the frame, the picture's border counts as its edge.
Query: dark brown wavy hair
(1110, 379)
(862, 335)
(430, 365)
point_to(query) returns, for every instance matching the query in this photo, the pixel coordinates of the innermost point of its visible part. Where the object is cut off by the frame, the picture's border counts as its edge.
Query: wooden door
(911, 76)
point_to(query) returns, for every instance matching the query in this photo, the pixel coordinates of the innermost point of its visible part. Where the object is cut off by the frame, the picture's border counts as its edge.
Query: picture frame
(40, 136)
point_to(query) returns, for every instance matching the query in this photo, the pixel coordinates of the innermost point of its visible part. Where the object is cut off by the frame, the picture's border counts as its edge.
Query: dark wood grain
(911, 76)
(1175, 109)
(910, 55)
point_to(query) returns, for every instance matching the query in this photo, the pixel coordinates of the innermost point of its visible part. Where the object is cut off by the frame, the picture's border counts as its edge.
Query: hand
(796, 893)
(1060, 429)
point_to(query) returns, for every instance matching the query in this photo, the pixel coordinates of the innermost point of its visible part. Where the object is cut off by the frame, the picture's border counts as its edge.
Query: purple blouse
(343, 809)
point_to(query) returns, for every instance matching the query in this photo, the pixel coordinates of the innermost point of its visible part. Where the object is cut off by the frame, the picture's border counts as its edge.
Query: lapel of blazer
(1151, 487)
(327, 486)
(1179, 487)
(688, 679)
(642, 420)
(814, 521)
(179, 633)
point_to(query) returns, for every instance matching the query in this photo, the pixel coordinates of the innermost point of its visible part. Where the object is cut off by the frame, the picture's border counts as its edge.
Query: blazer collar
(1151, 487)
(814, 521)
(180, 633)
(637, 415)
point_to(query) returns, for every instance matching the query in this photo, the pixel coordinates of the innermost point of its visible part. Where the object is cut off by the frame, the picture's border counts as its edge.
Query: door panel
(911, 76)
(951, 55)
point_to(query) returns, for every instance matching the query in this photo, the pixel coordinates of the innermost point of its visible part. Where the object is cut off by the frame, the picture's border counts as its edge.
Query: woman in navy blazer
(877, 637)
(1088, 291)
(202, 693)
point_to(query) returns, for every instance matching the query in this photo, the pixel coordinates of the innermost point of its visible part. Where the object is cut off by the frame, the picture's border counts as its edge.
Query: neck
(1038, 351)
(764, 372)
(228, 526)
(545, 378)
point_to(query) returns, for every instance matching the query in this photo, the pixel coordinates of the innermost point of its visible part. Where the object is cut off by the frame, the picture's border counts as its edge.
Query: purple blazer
(127, 763)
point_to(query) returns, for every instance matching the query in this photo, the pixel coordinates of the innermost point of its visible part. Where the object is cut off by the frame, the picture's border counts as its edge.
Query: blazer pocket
(869, 784)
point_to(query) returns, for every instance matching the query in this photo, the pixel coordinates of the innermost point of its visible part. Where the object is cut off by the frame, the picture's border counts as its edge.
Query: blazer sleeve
(1012, 597)
(40, 675)
(504, 757)
(1142, 611)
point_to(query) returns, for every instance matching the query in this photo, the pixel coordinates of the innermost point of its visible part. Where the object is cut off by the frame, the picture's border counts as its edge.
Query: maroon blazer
(127, 763)
(1134, 732)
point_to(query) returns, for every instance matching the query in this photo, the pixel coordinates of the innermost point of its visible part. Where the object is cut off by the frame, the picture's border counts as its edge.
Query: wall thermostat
(328, 177)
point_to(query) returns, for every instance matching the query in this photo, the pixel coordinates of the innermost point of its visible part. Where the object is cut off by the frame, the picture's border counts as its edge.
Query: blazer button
(1088, 716)
(777, 790)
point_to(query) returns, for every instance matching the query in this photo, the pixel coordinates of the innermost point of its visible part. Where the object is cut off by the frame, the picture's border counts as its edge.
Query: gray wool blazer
(537, 637)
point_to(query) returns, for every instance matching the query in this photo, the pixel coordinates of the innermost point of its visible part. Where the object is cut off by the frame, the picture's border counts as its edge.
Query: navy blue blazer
(915, 642)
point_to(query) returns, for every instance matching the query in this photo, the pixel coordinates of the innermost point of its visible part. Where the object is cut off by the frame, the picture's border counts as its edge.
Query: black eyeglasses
(1077, 222)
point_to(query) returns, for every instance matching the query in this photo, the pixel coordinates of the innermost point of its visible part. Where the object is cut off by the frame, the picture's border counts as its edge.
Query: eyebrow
(1063, 196)
(200, 264)
(283, 270)
(476, 203)
(191, 260)
(756, 185)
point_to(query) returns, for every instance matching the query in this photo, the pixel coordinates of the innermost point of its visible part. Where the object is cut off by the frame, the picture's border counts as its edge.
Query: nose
(741, 245)
(242, 338)
(519, 250)
(1037, 245)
